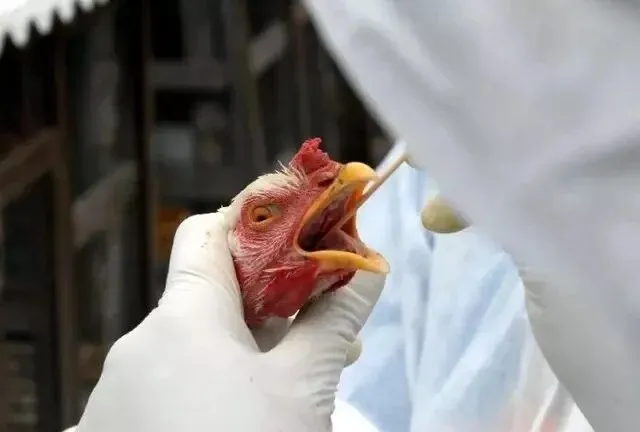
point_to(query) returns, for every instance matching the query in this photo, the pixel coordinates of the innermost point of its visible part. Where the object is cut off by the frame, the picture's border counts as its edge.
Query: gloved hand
(193, 365)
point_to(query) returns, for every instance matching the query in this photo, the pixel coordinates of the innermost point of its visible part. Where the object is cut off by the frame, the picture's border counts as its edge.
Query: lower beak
(351, 180)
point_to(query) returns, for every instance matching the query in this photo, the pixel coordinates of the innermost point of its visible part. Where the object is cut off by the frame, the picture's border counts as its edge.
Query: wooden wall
(74, 206)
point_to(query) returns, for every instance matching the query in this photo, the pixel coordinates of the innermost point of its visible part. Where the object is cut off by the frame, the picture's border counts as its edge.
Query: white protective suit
(527, 114)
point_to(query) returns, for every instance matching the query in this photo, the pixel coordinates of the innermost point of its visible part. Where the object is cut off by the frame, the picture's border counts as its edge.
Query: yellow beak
(351, 180)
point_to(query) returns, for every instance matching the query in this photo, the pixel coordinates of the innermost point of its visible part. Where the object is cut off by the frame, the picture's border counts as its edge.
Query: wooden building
(117, 121)
(75, 205)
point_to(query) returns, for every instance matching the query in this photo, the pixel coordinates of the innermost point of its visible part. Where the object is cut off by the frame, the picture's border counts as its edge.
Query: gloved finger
(271, 332)
(274, 329)
(438, 216)
(315, 348)
(412, 162)
(353, 352)
(201, 283)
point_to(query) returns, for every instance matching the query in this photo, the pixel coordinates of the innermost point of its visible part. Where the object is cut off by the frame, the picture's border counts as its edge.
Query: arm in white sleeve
(527, 113)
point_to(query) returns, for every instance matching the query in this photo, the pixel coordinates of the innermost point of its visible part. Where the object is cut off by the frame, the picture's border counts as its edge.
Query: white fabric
(17, 16)
(448, 346)
(346, 418)
(192, 364)
(526, 113)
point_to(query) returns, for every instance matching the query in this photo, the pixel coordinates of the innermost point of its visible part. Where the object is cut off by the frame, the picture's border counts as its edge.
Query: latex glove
(193, 365)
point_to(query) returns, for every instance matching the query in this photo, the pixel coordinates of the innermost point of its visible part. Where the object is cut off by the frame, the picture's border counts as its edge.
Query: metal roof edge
(18, 16)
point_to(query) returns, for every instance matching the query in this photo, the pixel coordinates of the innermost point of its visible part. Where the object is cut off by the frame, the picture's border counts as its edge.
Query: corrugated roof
(18, 16)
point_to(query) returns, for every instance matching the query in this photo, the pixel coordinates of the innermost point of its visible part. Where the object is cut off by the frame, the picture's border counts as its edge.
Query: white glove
(193, 365)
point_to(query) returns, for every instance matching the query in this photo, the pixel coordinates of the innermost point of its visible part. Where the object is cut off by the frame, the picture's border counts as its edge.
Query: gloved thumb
(439, 217)
(315, 348)
(201, 285)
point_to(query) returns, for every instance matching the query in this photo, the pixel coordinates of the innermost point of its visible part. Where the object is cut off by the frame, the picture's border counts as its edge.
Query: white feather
(284, 178)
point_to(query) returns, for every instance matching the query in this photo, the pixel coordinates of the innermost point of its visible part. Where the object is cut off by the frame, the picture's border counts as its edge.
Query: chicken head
(283, 242)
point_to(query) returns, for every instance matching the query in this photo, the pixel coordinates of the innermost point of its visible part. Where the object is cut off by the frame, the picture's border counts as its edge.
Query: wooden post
(286, 92)
(144, 115)
(329, 103)
(4, 378)
(299, 28)
(196, 25)
(248, 134)
(66, 294)
(113, 306)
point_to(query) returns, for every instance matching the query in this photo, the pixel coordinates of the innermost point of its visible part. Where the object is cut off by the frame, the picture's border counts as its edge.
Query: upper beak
(351, 180)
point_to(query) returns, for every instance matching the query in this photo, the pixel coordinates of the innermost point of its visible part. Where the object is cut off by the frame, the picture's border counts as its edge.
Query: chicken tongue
(340, 240)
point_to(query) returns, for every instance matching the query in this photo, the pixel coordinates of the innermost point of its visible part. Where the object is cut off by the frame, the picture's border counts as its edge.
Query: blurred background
(113, 128)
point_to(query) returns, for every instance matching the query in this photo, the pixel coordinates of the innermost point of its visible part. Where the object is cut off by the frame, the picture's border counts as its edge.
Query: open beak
(350, 182)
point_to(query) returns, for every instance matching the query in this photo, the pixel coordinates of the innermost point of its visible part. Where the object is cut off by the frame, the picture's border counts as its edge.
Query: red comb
(310, 158)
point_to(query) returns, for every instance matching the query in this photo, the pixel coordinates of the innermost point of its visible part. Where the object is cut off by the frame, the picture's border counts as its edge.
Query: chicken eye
(264, 213)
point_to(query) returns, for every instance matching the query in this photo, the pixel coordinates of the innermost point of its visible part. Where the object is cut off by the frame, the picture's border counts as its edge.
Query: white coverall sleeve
(448, 345)
(527, 115)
